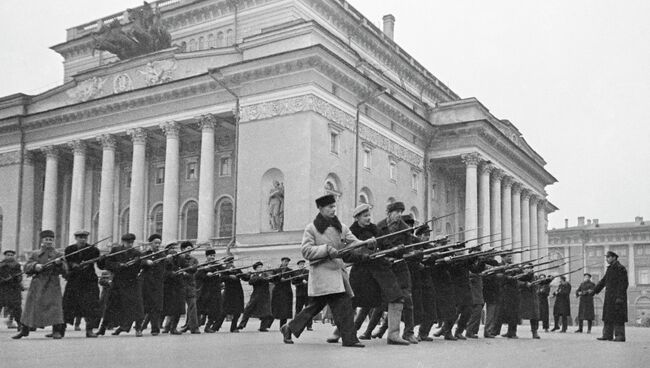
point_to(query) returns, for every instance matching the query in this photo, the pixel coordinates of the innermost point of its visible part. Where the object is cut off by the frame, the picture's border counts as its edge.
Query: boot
(375, 317)
(24, 332)
(173, 324)
(286, 334)
(579, 330)
(102, 330)
(589, 326)
(446, 331)
(365, 335)
(535, 335)
(335, 336)
(380, 333)
(59, 332)
(90, 333)
(394, 318)
(459, 334)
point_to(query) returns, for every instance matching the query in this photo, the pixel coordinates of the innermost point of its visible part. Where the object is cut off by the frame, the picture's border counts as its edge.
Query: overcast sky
(573, 76)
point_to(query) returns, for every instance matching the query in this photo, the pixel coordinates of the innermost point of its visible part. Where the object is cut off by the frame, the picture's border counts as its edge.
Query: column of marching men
(391, 273)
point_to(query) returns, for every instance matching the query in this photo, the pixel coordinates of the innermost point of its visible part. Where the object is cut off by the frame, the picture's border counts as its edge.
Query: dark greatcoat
(282, 295)
(233, 293)
(428, 294)
(529, 300)
(543, 291)
(616, 283)
(476, 284)
(189, 284)
(400, 269)
(511, 299)
(300, 283)
(459, 275)
(153, 283)
(209, 289)
(562, 306)
(492, 285)
(43, 305)
(372, 281)
(81, 295)
(415, 269)
(173, 289)
(11, 285)
(259, 304)
(445, 297)
(125, 299)
(586, 306)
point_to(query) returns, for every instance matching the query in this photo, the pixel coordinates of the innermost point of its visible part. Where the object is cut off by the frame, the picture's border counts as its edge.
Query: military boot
(394, 318)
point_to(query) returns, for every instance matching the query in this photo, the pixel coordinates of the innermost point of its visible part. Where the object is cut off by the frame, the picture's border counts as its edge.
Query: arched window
(183, 46)
(365, 196)
(224, 218)
(230, 37)
(156, 219)
(124, 221)
(220, 40)
(192, 45)
(190, 220)
(211, 41)
(448, 229)
(201, 43)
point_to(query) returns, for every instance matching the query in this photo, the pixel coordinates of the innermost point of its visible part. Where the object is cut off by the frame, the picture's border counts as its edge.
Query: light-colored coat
(43, 306)
(329, 276)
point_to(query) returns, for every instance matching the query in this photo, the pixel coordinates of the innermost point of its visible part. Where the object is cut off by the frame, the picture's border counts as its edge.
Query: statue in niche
(276, 206)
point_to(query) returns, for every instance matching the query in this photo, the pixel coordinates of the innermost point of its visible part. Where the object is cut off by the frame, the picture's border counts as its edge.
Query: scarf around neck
(322, 223)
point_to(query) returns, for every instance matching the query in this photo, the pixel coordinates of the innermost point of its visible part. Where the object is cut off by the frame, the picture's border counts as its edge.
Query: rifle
(296, 277)
(440, 260)
(506, 267)
(91, 261)
(53, 261)
(232, 269)
(188, 250)
(543, 269)
(283, 273)
(136, 259)
(204, 264)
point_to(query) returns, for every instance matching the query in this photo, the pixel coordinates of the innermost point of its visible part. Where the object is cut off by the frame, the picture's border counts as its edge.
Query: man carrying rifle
(153, 275)
(394, 223)
(125, 299)
(173, 292)
(328, 280)
(511, 298)
(543, 291)
(233, 296)
(209, 284)
(81, 295)
(259, 304)
(189, 266)
(529, 300)
(11, 285)
(300, 283)
(43, 306)
(282, 295)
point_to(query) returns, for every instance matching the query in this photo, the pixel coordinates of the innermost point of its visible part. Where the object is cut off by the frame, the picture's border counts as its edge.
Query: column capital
(516, 187)
(138, 135)
(507, 181)
(78, 147)
(170, 128)
(108, 141)
(207, 121)
(497, 175)
(471, 159)
(51, 151)
(487, 168)
(526, 194)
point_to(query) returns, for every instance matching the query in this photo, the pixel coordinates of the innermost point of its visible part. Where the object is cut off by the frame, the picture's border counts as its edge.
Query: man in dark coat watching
(562, 306)
(586, 307)
(615, 305)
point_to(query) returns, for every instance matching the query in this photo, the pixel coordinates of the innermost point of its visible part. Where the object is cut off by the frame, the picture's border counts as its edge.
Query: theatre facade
(254, 109)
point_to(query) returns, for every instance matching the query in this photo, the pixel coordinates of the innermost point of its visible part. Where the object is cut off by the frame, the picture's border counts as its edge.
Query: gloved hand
(58, 262)
(332, 252)
(38, 267)
(169, 256)
(148, 262)
(121, 265)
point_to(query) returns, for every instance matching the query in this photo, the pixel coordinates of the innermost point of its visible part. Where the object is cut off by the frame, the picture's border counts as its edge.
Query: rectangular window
(224, 166)
(414, 181)
(160, 175)
(334, 143)
(391, 170)
(643, 276)
(366, 159)
(191, 173)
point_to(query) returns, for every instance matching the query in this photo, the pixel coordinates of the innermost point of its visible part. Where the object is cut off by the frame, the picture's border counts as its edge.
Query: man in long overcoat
(259, 304)
(300, 283)
(529, 300)
(209, 285)
(615, 306)
(125, 299)
(173, 292)
(586, 306)
(43, 306)
(543, 291)
(562, 306)
(233, 297)
(11, 285)
(328, 281)
(153, 277)
(81, 295)
(282, 294)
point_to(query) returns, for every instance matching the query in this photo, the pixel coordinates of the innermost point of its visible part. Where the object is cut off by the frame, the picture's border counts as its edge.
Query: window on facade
(192, 170)
(192, 45)
(224, 166)
(127, 179)
(363, 199)
(191, 216)
(224, 218)
(392, 168)
(230, 37)
(1, 222)
(160, 175)
(157, 219)
(334, 142)
(220, 39)
(201, 43)
(211, 41)
(643, 276)
(414, 181)
(366, 159)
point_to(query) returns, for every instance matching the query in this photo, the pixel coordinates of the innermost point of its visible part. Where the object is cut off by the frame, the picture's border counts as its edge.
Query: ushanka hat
(128, 237)
(47, 234)
(395, 206)
(325, 200)
(153, 237)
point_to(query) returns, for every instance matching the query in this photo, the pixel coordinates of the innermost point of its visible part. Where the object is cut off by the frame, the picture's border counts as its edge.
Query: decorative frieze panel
(313, 103)
(89, 89)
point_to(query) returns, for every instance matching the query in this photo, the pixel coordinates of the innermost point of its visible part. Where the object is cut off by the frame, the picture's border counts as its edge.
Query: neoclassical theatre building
(243, 113)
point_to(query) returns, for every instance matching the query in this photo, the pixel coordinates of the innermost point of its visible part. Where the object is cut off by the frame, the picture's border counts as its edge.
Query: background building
(252, 110)
(588, 242)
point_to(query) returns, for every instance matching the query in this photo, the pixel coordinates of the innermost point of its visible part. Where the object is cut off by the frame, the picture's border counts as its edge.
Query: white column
(50, 188)
(171, 185)
(138, 166)
(106, 187)
(516, 220)
(534, 240)
(542, 248)
(506, 213)
(484, 204)
(206, 180)
(495, 207)
(631, 267)
(471, 161)
(78, 188)
(525, 223)
(27, 212)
